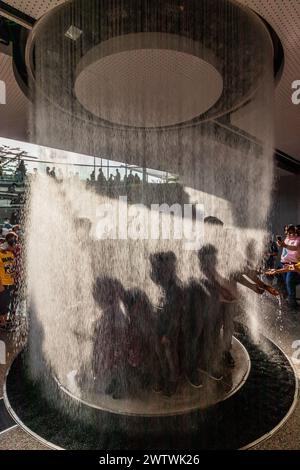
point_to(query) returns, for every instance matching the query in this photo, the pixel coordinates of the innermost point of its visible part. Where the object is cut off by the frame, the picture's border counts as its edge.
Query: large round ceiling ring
(117, 66)
(116, 77)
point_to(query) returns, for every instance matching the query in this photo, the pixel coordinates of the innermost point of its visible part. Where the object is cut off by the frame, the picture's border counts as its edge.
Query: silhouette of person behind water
(142, 340)
(170, 312)
(110, 341)
(193, 325)
(123, 356)
(211, 347)
(101, 178)
(226, 288)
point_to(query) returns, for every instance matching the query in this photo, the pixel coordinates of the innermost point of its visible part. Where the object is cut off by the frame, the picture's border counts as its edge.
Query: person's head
(213, 228)
(207, 257)
(211, 220)
(288, 227)
(163, 267)
(108, 291)
(298, 230)
(291, 231)
(11, 240)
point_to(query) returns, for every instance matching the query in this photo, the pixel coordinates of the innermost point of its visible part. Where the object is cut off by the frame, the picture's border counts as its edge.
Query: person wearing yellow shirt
(7, 272)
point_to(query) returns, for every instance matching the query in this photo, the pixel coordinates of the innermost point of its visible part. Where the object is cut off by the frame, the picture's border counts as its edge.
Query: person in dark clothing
(130, 178)
(124, 351)
(192, 332)
(22, 170)
(117, 177)
(110, 338)
(271, 255)
(137, 179)
(101, 178)
(217, 317)
(170, 313)
(224, 299)
(141, 357)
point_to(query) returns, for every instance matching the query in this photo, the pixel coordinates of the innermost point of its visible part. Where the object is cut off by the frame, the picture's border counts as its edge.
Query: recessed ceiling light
(73, 33)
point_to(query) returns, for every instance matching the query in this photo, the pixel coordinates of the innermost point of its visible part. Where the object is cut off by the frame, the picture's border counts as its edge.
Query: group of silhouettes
(139, 346)
(185, 338)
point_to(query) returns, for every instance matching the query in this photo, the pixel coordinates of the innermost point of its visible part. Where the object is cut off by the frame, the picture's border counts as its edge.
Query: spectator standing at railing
(21, 171)
(130, 178)
(111, 180)
(92, 176)
(137, 179)
(101, 178)
(117, 177)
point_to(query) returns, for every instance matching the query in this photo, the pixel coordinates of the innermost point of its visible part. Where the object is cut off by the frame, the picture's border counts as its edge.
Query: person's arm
(1, 286)
(289, 247)
(241, 279)
(272, 272)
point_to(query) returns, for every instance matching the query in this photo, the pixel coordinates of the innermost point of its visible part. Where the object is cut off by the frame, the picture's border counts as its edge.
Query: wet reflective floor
(255, 410)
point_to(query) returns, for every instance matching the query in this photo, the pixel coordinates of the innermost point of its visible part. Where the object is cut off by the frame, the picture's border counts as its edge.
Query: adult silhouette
(170, 313)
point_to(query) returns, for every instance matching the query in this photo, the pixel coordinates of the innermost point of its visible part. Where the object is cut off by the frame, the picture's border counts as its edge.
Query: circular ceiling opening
(141, 86)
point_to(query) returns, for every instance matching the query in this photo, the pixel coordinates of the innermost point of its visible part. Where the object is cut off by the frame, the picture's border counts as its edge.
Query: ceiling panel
(284, 16)
(34, 8)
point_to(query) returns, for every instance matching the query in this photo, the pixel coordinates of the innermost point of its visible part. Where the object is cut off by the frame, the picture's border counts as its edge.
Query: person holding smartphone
(291, 256)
